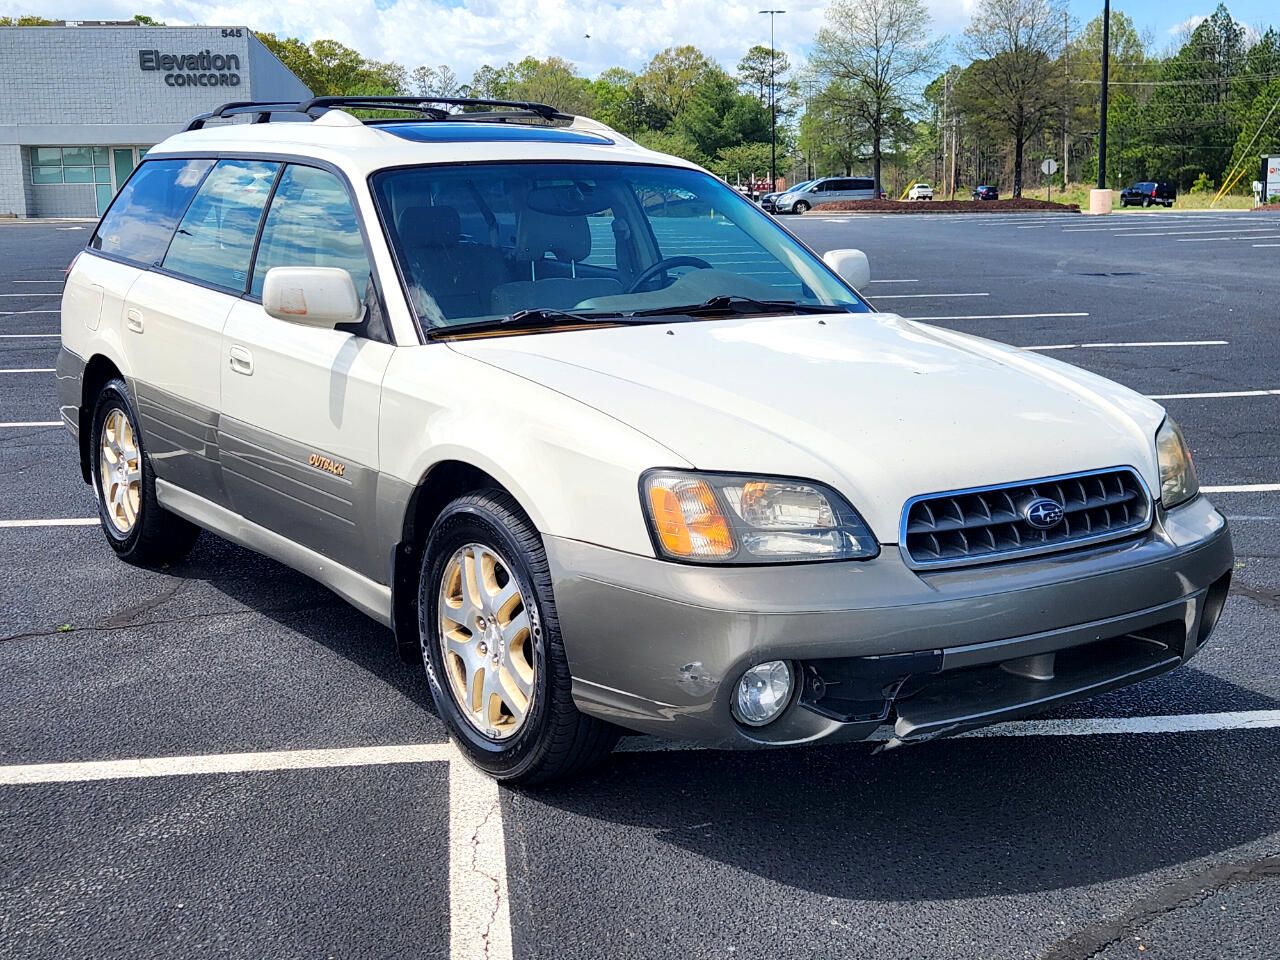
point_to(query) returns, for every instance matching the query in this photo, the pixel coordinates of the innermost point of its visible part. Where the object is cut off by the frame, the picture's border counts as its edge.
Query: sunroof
(442, 131)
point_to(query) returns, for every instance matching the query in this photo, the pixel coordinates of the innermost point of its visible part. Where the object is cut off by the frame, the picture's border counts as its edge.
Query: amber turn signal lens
(688, 520)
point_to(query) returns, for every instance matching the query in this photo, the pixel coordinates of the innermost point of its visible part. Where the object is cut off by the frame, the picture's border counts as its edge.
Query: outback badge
(329, 466)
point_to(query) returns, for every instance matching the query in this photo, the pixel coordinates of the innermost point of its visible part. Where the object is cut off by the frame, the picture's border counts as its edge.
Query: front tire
(137, 527)
(492, 648)
(800, 207)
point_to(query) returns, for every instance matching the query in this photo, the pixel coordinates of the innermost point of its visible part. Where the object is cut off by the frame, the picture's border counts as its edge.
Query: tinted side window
(140, 223)
(863, 183)
(311, 223)
(215, 239)
(841, 185)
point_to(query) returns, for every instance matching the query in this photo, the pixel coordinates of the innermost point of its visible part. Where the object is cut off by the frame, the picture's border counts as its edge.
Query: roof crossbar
(261, 109)
(431, 105)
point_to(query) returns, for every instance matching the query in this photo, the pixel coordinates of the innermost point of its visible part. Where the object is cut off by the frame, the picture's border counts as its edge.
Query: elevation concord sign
(203, 69)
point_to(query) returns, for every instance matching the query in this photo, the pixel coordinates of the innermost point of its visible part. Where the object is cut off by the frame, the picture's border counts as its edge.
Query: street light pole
(773, 106)
(1102, 125)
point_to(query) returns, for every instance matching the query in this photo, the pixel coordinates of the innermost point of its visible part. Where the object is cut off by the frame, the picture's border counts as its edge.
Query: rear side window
(214, 241)
(140, 223)
(864, 183)
(311, 223)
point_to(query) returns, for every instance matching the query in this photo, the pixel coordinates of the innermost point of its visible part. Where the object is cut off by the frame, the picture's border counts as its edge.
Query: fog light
(763, 691)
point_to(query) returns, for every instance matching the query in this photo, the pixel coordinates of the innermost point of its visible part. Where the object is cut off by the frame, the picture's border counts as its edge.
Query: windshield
(487, 241)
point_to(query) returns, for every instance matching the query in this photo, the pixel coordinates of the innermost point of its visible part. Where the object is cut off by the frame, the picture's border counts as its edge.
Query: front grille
(987, 524)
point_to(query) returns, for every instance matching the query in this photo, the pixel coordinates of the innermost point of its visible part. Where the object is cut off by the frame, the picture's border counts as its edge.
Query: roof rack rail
(262, 111)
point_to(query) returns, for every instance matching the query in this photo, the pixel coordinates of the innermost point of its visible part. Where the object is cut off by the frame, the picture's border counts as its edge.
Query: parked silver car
(825, 190)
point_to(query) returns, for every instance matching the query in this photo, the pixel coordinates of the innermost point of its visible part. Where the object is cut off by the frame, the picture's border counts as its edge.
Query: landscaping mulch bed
(945, 206)
(1268, 208)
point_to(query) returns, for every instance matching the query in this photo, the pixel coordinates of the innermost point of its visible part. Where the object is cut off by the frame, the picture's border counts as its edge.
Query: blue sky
(467, 33)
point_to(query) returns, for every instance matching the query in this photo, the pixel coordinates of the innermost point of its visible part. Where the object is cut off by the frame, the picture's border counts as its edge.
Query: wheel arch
(442, 483)
(98, 371)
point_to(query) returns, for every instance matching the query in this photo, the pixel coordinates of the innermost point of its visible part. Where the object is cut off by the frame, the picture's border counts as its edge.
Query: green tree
(877, 50)
(760, 67)
(668, 80)
(1014, 84)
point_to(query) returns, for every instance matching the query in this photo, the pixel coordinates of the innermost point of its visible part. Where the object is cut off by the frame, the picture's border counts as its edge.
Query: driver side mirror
(851, 265)
(312, 296)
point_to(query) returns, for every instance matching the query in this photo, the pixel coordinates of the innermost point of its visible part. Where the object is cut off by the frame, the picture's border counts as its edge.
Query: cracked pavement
(1033, 848)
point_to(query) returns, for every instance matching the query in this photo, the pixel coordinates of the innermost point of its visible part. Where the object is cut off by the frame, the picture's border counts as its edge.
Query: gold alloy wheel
(120, 470)
(487, 641)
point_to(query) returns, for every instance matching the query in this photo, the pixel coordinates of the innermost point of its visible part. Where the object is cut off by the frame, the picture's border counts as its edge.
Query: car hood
(878, 407)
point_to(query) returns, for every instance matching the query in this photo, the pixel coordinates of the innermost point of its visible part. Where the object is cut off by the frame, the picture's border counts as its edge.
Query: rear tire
(137, 527)
(485, 603)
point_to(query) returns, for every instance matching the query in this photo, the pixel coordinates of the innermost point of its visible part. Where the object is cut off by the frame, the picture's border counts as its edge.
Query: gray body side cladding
(365, 594)
(69, 374)
(658, 646)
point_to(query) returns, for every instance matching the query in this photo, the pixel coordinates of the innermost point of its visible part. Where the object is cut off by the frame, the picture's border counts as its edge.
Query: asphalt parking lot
(223, 759)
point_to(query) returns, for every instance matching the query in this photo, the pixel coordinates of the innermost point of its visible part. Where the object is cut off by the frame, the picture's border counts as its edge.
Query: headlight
(1178, 481)
(730, 518)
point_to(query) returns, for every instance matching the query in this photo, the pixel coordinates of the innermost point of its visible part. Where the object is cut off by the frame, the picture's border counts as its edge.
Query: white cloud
(467, 33)
(1185, 27)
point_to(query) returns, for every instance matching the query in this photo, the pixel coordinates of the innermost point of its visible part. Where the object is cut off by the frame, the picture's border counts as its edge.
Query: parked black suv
(985, 192)
(1148, 193)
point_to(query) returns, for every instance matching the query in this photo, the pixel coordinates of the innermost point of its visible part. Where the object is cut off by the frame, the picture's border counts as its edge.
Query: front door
(298, 435)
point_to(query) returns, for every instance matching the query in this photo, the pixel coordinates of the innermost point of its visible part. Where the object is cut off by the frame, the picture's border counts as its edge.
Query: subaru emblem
(1043, 513)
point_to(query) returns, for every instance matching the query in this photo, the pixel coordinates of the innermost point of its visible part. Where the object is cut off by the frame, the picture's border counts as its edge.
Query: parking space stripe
(923, 296)
(52, 522)
(30, 295)
(1243, 488)
(222, 763)
(30, 336)
(479, 913)
(23, 313)
(893, 281)
(1272, 236)
(29, 370)
(18, 424)
(470, 793)
(1213, 396)
(1000, 316)
(1132, 343)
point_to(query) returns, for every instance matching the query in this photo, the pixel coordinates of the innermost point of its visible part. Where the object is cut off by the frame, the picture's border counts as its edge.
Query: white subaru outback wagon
(607, 447)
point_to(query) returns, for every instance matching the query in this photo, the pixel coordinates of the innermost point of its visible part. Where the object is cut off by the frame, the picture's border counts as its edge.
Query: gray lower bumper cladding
(657, 647)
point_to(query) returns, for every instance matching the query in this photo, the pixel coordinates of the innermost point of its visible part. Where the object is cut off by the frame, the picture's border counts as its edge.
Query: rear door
(299, 428)
(174, 317)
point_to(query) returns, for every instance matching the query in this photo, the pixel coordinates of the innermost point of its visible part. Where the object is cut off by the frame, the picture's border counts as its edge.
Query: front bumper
(658, 647)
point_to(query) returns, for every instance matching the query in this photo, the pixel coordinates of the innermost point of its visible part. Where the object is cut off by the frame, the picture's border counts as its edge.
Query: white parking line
(923, 296)
(30, 336)
(30, 294)
(29, 370)
(1000, 316)
(1198, 231)
(893, 281)
(1273, 236)
(35, 281)
(54, 522)
(17, 424)
(1132, 343)
(1243, 488)
(21, 313)
(1213, 396)
(479, 912)
(1267, 244)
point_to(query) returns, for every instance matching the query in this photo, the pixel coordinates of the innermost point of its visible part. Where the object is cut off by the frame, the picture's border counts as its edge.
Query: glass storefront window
(70, 165)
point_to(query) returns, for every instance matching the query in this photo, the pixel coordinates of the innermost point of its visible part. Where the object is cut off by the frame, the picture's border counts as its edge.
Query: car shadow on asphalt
(941, 821)
(301, 605)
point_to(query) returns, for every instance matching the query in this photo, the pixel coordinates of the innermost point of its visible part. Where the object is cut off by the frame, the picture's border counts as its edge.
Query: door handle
(134, 320)
(241, 361)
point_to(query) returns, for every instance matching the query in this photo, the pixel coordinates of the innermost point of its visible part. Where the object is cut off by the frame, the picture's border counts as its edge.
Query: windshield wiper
(533, 317)
(726, 305)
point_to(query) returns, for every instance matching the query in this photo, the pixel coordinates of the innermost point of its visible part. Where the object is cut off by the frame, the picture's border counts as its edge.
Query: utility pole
(1066, 98)
(1102, 125)
(773, 105)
